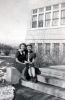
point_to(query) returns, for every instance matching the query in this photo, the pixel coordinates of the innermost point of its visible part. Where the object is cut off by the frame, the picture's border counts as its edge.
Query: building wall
(48, 33)
(49, 41)
(42, 3)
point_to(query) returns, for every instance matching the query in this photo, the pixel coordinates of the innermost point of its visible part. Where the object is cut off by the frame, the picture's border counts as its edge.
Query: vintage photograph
(32, 49)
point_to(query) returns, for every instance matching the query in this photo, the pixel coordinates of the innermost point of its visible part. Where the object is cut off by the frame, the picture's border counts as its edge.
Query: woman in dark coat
(21, 58)
(32, 70)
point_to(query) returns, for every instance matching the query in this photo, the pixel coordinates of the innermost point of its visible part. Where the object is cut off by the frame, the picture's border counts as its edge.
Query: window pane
(63, 21)
(47, 48)
(56, 7)
(40, 23)
(34, 24)
(40, 17)
(33, 46)
(56, 49)
(47, 23)
(63, 5)
(34, 17)
(34, 11)
(48, 8)
(40, 20)
(40, 48)
(62, 13)
(55, 22)
(55, 14)
(48, 16)
(41, 9)
(64, 49)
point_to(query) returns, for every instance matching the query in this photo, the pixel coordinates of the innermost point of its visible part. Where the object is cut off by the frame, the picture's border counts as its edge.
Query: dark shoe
(34, 79)
(31, 79)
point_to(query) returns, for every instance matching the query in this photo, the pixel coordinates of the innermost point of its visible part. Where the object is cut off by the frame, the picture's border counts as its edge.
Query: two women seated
(26, 57)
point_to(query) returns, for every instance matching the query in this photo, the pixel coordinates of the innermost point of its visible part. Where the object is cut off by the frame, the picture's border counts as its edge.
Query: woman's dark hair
(29, 45)
(22, 44)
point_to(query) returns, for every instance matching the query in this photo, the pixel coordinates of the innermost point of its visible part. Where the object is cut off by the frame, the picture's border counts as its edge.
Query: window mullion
(44, 17)
(51, 15)
(37, 17)
(59, 14)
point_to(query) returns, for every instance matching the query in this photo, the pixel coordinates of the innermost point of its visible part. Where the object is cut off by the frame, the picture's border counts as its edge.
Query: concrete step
(49, 89)
(51, 81)
(58, 67)
(53, 73)
(24, 93)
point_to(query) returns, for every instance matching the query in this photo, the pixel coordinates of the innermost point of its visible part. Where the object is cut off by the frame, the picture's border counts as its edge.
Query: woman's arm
(17, 56)
(19, 61)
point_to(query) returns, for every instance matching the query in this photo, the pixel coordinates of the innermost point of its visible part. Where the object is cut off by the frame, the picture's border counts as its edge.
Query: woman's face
(22, 47)
(29, 48)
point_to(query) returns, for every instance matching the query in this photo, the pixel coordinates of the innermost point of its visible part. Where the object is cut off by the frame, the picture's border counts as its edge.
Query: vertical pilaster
(59, 14)
(43, 48)
(36, 47)
(51, 48)
(61, 49)
(44, 17)
(51, 15)
(37, 18)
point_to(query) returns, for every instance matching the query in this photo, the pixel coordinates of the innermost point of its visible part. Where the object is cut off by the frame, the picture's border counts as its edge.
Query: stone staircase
(51, 81)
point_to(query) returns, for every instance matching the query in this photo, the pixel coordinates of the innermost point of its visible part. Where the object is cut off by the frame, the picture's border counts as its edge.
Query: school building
(47, 30)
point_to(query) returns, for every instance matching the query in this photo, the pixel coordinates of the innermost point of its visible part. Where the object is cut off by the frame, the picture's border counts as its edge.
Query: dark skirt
(23, 69)
(20, 67)
(37, 71)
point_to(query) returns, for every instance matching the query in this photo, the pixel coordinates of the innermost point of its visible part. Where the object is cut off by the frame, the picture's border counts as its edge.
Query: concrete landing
(53, 72)
(58, 67)
(51, 81)
(44, 88)
(25, 93)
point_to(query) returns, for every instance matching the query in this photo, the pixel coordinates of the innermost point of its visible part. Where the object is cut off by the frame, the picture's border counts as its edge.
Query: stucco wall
(48, 33)
(42, 3)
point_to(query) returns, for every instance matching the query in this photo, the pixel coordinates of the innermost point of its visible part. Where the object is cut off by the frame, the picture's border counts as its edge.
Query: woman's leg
(31, 71)
(32, 74)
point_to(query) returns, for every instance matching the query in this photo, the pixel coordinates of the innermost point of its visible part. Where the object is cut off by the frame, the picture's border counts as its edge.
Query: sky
(14, 19)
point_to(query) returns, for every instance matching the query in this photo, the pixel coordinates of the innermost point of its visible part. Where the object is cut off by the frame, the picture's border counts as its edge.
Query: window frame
(51, 20)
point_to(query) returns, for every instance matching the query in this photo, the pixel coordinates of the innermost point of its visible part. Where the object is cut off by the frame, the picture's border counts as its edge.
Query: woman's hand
(26, 62)
(30, 63)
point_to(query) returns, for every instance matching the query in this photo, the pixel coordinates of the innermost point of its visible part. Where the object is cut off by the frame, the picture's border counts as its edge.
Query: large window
(55, 18)
(56, 7)
(47, 48)
(34, 21)
(34, 11)
(33, 46)
(64, 49)
(49, 16)
(55, 14)
(40, 20)
(41, 10)
(62, 13)
(48, 8)
(63, 5)
(63, 17)
(47, 19)
(40, 49)
(56, 49)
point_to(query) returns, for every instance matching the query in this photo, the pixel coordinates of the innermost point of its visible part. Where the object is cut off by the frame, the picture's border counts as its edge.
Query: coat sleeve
(17, 54)
(34, 56)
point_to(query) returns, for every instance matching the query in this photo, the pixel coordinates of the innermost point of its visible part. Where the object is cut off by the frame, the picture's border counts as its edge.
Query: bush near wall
(46, 60)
